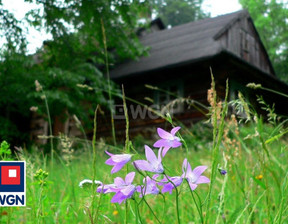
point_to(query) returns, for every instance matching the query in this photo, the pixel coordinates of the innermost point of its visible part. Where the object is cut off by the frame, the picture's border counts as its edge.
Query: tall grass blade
(109, 82)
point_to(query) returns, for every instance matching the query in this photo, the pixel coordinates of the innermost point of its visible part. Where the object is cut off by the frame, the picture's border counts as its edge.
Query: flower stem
(199, 208)
(177, 199)
(151, 210)
(164, 205)
(126, 212)
(137, 212)
(177, 206)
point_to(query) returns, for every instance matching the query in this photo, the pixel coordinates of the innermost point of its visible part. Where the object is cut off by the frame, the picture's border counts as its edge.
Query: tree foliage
(83, 31)
(177, 12)
(86, 21)
(11, 31)
(271, 20)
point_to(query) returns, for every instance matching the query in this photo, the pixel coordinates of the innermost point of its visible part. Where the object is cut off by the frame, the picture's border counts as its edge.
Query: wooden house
(179, 63)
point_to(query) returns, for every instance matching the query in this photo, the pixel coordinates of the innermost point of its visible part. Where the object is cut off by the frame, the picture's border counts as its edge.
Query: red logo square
(10, 175)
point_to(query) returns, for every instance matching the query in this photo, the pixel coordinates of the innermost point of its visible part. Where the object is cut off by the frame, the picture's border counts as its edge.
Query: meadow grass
(254, 190)
(247, 166)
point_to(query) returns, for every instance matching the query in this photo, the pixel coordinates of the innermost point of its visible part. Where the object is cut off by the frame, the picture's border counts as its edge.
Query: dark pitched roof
(179, 45)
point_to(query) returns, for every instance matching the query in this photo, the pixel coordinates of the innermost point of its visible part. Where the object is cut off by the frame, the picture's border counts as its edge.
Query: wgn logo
(12, 183)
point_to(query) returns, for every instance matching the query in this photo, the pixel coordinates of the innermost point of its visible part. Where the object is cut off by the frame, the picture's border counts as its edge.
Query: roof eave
(176, 65)
(267, 75)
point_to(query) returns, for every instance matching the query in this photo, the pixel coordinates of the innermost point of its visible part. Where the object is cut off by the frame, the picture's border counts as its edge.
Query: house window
(169, 97)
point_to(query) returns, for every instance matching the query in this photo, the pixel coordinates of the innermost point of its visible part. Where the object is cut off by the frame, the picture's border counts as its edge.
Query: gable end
(241, 38)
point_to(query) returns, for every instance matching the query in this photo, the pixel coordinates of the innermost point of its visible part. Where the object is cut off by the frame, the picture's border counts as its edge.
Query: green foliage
(179, 12)
(77, 27)
(5, 151)
(200, 136)
(270, 18)
(18, 93)
(11, 30)
(81, 30)
(14, 104)
(247, 197)
(62, 89)
(271, 115)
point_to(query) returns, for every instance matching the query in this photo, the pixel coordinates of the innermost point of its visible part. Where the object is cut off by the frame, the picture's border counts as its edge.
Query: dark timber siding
(242, 40)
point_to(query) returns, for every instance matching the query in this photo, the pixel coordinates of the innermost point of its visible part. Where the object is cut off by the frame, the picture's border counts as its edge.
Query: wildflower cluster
(67, 150)
(159, 181)
(41, 177)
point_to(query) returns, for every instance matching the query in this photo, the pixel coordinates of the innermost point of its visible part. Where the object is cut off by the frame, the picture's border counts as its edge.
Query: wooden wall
(196, 81)
(242, 39)
(39, 127)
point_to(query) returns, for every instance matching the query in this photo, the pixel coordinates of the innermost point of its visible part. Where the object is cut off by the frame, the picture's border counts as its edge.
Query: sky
(36, 38)
(19, 8)
(220, 7)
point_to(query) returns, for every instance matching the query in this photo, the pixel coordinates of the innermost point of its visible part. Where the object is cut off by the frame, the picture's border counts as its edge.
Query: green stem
(127, 148)
(177, 199)
(94, 143)
(98, 206)
(40, 205)
(80, 126)
(218, 131)
(274, 91)
(164, 206)
(199, 209)
(137, 212)
(108, 80)
(151, 210)
(95, 215)
(184, 143)
(177, 206)
(126, 212)
(50, 128)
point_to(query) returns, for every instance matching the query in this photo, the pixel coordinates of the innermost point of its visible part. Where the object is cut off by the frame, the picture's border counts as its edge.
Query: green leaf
(276, 137)
(260, 183)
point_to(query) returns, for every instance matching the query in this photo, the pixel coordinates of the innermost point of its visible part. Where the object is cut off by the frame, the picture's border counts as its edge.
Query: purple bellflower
(194, 177)
(149, 187)
(118, 161)
(168, 186)
(153, 164)
(168, 140)
(106, 188)
(124, 189)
